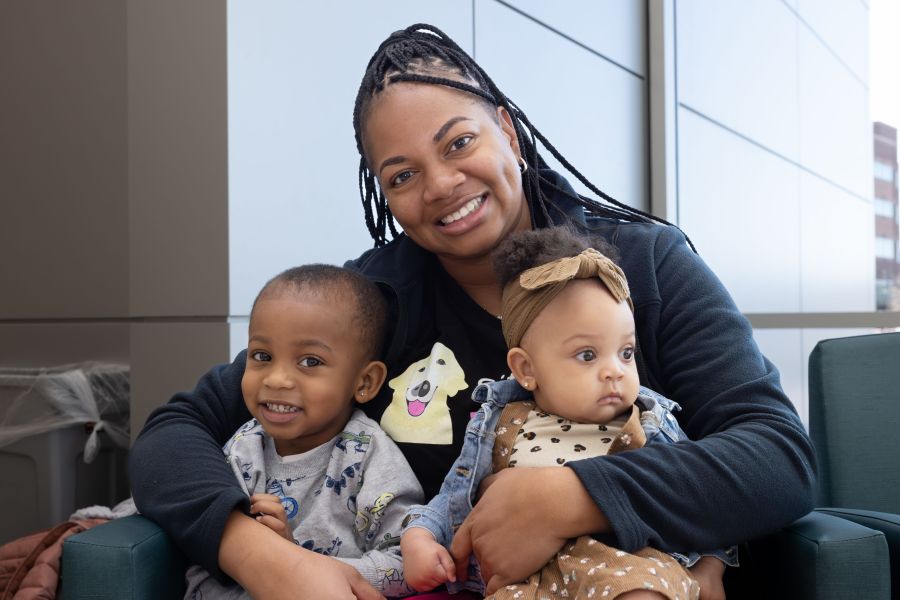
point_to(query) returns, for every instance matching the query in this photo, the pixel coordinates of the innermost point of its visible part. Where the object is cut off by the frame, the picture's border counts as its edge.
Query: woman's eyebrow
(437, 138)
(390, 161)
(446, 127)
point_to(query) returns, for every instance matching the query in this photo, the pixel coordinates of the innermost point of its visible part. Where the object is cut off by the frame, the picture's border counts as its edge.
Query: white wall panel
(737, 65)
(293, 72)
(593, 112)
(238, 334)
(614, 28)
(838, 265)
(739, 204)
(835, 133)
(841, 24)
(784, 347)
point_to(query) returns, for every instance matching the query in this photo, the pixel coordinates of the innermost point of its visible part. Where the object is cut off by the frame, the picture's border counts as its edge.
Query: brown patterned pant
(585, 568)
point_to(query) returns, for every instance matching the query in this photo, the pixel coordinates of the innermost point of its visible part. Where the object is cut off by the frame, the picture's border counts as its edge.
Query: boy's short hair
(369, 316)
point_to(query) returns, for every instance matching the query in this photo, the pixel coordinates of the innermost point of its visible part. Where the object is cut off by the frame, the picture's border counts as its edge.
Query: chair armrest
(886, 523)
(818, 557)
(127, 559)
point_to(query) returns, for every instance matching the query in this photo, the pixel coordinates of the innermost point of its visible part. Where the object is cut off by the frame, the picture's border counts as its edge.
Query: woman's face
(448, 166)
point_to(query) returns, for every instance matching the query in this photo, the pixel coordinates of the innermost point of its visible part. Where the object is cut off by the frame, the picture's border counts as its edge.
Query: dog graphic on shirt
(418, 412)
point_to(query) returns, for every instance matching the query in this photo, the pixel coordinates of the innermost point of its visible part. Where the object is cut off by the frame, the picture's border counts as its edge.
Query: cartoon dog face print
(418, 411)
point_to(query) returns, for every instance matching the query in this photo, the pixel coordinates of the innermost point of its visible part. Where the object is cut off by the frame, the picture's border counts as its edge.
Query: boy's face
(304, 362)
(581, 349)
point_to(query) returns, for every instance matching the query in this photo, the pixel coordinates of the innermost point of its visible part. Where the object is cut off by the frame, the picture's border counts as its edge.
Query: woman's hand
(426, 564)
(708, 572)
(523, 518)
(268, 566)
(270, 512)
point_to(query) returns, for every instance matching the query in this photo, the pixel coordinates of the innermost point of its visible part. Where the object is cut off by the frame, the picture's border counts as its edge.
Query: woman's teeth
(281, 408)
(468, 208)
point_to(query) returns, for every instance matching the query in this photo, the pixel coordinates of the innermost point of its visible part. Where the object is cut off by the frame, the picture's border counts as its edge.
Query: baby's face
(582, 354)
(303, 361)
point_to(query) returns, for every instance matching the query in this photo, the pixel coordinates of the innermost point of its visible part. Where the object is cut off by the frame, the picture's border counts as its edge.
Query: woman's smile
(465, 218)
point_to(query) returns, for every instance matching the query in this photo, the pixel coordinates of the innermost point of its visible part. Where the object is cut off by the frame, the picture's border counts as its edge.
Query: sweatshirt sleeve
(389, 488)
(178, 473)
(748, 467)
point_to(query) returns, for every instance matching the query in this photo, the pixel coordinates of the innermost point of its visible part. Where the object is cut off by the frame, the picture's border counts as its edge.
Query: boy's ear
(370, 380)
(519, 363)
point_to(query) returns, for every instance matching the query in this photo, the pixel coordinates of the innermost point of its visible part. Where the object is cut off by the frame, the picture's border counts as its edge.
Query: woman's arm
(178, 474)
(750, 468)
(523, 517)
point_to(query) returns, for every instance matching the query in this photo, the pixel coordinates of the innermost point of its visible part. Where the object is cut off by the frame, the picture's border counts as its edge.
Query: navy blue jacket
(749, 470)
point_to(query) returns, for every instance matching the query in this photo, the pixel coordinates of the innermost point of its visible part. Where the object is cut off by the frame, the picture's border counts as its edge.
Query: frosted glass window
(884, 171)
(884, 208)
(885, 247)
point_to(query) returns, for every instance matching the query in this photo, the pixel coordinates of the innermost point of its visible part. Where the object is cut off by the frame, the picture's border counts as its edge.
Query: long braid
(420, 54)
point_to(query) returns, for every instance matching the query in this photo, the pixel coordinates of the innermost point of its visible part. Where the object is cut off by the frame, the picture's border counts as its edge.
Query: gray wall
(63, 183)
(113, 151)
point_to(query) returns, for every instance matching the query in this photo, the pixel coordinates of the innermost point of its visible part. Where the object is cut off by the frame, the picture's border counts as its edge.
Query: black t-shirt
(426, 402)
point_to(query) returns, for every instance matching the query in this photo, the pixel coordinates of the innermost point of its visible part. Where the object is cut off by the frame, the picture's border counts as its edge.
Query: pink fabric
(464, 595)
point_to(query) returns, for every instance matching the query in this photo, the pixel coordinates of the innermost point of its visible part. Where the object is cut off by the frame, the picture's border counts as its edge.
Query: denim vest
(443, 515)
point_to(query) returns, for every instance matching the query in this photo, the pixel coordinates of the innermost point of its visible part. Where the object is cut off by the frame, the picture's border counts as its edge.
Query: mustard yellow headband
(526, 296)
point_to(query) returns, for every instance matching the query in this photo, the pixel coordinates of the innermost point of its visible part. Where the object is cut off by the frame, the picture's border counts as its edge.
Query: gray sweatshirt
(345, 499)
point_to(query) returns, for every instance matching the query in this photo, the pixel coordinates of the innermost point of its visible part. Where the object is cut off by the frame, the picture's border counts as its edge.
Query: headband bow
(526, 296)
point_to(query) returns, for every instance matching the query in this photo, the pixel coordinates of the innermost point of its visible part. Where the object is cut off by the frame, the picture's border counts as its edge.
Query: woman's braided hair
(424, 54)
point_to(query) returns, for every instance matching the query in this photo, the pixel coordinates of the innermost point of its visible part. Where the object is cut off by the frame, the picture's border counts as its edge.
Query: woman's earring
(523, 166)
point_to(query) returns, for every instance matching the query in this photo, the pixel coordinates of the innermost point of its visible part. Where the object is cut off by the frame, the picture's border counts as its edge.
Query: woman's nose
(441, 182)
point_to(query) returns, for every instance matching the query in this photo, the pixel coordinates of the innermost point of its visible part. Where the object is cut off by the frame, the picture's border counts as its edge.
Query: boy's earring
(523, 166)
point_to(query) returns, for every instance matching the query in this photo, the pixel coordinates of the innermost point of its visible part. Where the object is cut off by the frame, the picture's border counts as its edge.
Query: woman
(454, 161)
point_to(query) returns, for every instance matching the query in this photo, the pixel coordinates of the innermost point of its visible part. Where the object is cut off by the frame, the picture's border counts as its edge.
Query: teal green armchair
(819, 557)
(854, 420)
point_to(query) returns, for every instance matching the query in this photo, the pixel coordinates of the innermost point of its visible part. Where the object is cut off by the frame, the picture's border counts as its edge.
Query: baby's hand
(708, 572)
(426, 564)
(268, 510)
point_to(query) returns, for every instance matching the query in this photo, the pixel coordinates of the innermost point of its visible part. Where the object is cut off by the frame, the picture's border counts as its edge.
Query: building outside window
(887, 218)
(884, 208)
(884, 172)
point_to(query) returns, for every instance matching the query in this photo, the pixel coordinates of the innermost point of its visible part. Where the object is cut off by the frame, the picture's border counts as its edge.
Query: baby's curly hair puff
(526, 249)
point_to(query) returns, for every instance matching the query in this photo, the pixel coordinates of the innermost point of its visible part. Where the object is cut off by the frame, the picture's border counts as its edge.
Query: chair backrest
(854, 421)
